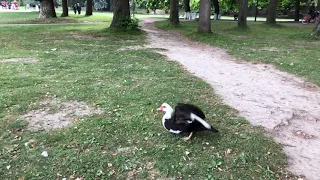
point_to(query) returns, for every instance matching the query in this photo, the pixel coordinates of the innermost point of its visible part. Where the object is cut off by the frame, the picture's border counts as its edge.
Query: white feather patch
(203, 122)
(175, 131)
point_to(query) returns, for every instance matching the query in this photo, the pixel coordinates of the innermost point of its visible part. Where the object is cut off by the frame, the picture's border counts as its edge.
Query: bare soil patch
(288, 107)
(55, 114)
(21, 60)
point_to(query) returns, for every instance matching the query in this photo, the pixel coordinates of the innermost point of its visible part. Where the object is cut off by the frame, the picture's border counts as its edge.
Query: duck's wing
(190, 109)
(190, 114)
(181, 116)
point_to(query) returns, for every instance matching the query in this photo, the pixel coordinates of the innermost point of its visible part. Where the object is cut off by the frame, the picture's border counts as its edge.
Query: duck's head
(166, 108)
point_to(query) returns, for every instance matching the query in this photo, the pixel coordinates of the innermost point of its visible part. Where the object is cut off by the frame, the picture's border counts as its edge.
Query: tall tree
(272, 11)
(318, 30)
(186, 5)
(47, 9)
(121, 13)
(216, 9)
(243, 14)
(174, 12)
(111, 5)
(297, 11)
(204, 25)
(89, 8)
(65, 12)
(187, 9)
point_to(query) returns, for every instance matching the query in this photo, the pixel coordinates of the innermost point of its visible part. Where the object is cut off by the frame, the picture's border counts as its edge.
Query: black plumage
(185, 118)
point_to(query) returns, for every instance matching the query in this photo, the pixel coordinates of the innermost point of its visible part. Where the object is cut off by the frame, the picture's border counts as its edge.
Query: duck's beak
(160, 108)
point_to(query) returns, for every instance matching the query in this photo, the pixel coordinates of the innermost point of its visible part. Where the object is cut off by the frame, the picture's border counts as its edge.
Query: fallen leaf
(109, 165)
(8, 167)
(111, 173)
(44, 154)
(291, 64)
(228, 151)
(21, 178)
(184, 158)
(187, 152)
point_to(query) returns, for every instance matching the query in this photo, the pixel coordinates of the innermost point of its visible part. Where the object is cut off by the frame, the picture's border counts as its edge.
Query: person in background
(79, 8)
(75, 8)
(312, 11)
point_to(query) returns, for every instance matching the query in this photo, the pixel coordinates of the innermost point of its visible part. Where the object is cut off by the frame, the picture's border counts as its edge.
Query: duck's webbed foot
(189, 137)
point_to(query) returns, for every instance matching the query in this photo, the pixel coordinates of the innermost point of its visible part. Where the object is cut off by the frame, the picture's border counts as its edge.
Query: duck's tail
(203, 122)
(213, 130)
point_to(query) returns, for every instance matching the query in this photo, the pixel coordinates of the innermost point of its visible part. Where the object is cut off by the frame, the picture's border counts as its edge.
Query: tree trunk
(297, 11)
(272, 12)
(47, 9)
(111, 5)
(318, 30)
(65, 12)
(243, 14)
(216, 9)
(318, 5)
(174, 12)
(204, 25)
(89, 8)
(121, 13)
(186, 4)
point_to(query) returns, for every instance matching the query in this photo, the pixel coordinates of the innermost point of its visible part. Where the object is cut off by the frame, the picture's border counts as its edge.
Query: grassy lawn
(33, 18)
(290, 48)
(83, 63)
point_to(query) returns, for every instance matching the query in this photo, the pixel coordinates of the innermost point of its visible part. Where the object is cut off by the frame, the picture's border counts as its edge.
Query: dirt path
(288, 107)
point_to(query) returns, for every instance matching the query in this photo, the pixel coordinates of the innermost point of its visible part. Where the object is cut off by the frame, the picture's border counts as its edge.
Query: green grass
(33, 18)
(128, 86)
(290, 48)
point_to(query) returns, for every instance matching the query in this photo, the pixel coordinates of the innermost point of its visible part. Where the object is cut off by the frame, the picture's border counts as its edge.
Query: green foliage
(100, 4)
(166, 4)
(194, 5)
(125, 23)
(154, 4)
(21, 3)
(141, 4)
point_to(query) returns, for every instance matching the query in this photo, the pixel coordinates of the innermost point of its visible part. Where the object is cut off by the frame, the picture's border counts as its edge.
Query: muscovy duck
(185, 118)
